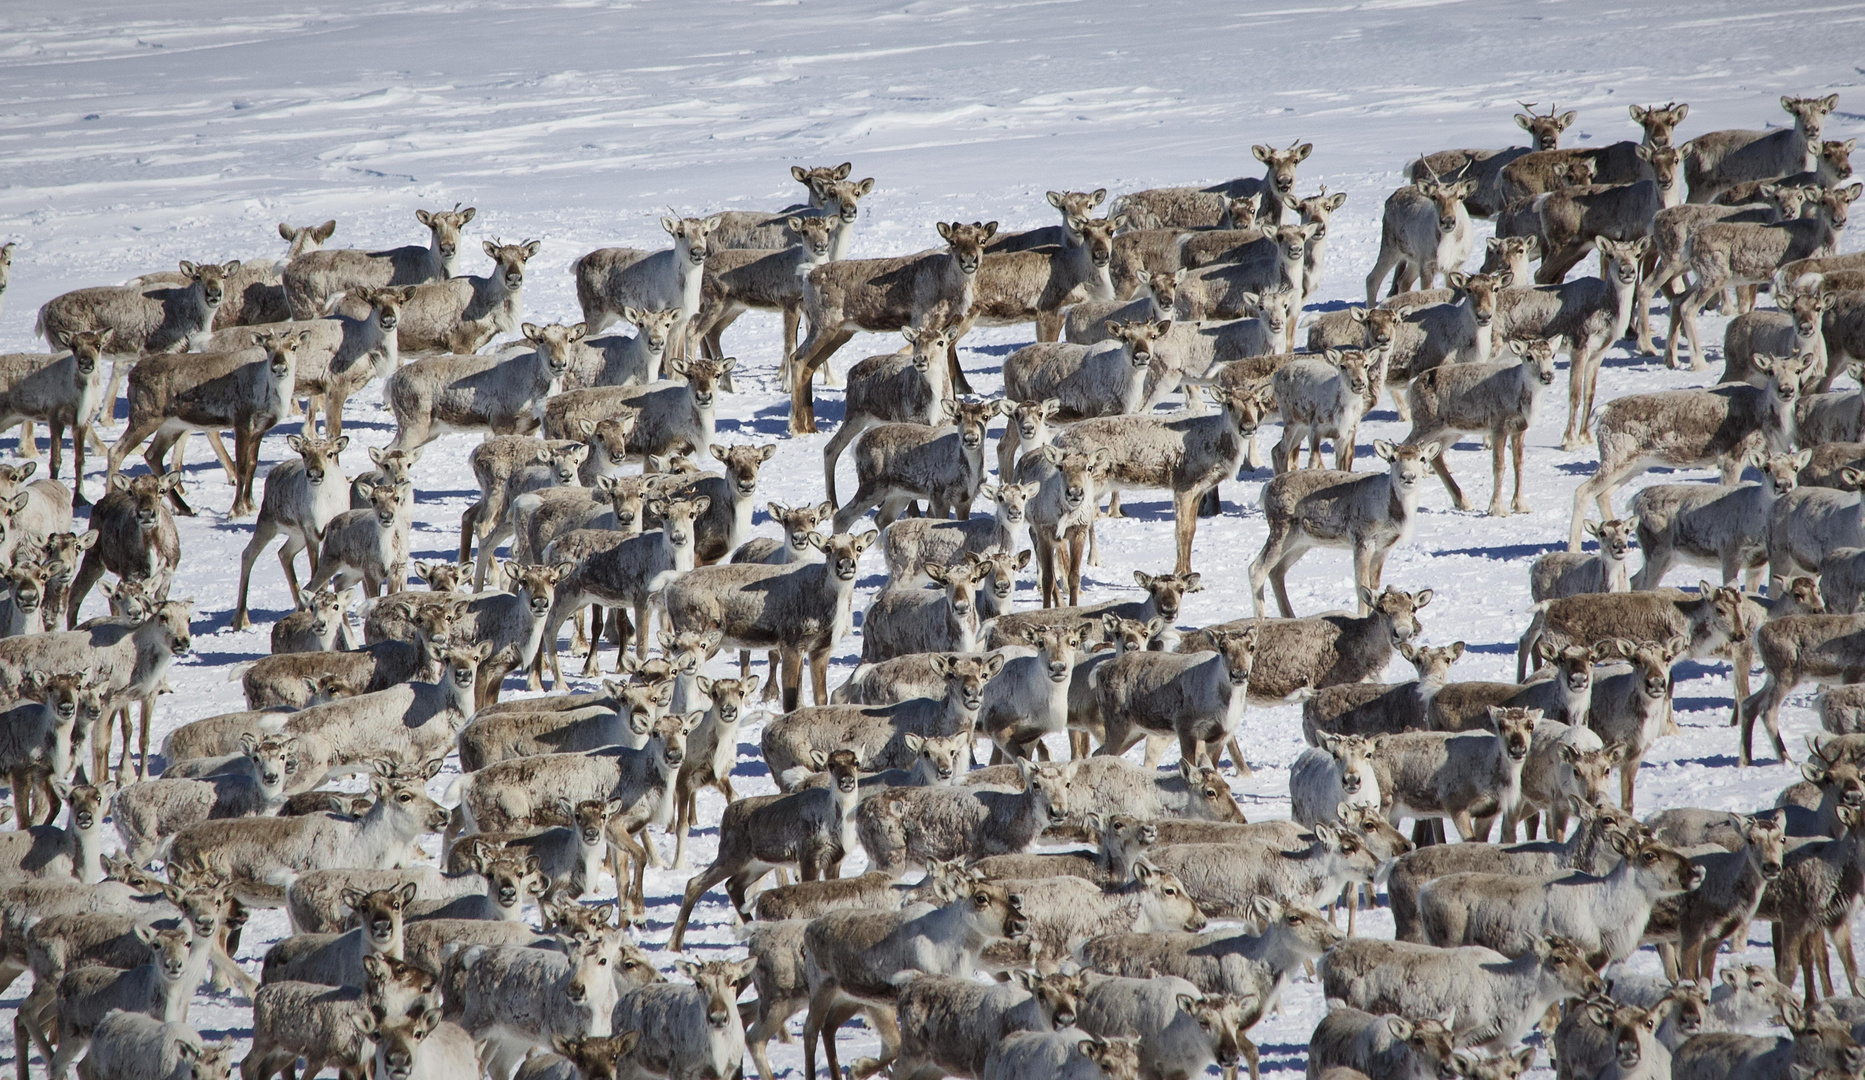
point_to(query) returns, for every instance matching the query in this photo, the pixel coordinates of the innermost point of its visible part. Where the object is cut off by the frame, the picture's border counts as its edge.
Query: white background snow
(133, 135)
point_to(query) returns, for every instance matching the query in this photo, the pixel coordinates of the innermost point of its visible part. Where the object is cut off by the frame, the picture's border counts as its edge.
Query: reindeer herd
(1156, 926)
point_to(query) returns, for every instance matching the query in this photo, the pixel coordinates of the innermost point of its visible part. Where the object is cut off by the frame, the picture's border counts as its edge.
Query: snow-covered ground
(132, 137)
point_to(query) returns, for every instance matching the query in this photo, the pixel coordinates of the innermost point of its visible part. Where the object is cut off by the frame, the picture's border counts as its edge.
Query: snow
(133, 137)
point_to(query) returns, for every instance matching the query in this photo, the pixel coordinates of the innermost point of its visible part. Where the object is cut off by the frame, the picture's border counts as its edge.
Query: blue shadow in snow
(1144, 511)
(447, 554)
(829, 410)
(207, 659)
(1697, 669)
(777, 425)
(1655, 363)
(1504, 552)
